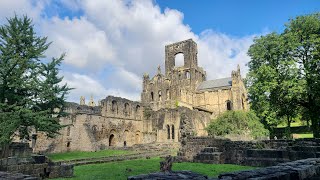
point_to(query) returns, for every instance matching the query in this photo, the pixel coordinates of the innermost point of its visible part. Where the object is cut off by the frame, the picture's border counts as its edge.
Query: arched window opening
(168, 94)
(188, 75)
(172, 129)
(179, 60)
(114, 107)
(168, 131)
(111, 140)
(137, 138)
(229, 105)
(68, 144)
(137, 109)
(159, 95)
(126, 109)
(152, 99)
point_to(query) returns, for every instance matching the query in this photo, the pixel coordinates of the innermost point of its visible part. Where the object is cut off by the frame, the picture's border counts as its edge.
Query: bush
(237, 122)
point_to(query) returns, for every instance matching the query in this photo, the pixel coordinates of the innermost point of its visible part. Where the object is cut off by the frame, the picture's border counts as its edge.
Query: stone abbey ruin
(174, 110)
(180, 101)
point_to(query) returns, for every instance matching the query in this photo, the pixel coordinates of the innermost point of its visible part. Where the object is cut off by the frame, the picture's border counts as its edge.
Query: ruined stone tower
(179, 82)
(186, 85)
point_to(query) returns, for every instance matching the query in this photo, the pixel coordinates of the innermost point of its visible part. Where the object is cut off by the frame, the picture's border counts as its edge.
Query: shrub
(237, 122)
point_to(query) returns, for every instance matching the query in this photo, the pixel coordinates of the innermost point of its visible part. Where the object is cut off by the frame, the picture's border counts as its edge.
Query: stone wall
(299, 170)
(16, 149)
(20, 160)
(252, 153)
(92, 132)
(36, 165)
(16, 176)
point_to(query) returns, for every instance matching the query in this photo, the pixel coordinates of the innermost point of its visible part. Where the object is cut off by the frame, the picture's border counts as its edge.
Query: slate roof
(217, 83)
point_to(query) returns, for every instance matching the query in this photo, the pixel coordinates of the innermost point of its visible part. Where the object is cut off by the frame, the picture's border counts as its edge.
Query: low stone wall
(299, 170)
(252, 153)
(16, 149)
(16, 176)
(36, 165)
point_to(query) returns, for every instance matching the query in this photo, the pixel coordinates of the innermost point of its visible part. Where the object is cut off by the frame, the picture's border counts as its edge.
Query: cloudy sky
(110, 44)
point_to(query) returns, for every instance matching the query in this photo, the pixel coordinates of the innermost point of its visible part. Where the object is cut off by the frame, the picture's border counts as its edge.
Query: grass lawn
(123, 169)
(293, 124)
(81, 155)
(297, 136)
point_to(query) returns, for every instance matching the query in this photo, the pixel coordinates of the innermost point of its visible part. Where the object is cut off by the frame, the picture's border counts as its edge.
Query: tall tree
(31, 96)
(284, 73)
(304, 35)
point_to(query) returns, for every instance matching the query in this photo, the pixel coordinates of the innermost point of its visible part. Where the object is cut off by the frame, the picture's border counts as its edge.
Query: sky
(110, 44)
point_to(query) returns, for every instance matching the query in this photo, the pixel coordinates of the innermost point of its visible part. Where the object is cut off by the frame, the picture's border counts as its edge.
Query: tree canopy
(284, 73)
(31, 94)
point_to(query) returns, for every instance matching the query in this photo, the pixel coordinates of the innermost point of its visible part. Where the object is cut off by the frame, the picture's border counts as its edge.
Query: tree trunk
(288, 129)
(315, 126)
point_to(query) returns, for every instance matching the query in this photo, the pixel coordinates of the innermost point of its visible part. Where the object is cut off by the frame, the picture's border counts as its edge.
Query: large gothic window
(188, 75)
(126, 109)
(114, 107)
(179, 60)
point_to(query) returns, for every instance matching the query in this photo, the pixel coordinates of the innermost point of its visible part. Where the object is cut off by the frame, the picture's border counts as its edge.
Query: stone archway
(112, 141)
(137, 138)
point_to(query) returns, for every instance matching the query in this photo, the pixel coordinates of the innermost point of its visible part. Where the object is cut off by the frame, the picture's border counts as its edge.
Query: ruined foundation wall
(252, 153)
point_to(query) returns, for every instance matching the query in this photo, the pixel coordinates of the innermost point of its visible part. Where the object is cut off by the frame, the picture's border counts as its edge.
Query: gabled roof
(217, 83)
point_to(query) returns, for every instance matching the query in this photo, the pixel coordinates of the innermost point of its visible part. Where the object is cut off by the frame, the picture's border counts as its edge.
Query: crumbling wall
(252, 153)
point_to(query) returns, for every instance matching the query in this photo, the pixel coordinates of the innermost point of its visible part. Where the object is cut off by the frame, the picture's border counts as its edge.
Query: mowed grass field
(123, 169)
(82, 155)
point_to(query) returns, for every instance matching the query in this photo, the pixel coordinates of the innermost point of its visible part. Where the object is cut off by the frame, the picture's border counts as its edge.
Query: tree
(284, 72)
(31, 96)
(237, 123)
(274, 84)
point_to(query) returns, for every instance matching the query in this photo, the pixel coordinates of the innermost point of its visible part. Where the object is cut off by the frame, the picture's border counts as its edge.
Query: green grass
(297, 136)
(123, 169)
(81, 155)
(293, 124)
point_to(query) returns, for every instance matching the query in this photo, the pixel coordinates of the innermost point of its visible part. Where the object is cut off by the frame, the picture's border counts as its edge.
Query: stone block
(12, 161)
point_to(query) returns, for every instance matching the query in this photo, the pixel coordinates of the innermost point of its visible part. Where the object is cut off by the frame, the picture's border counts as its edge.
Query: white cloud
(86, 86)
(8, 8)
(85, 45)
(221, 54)
(128, 36)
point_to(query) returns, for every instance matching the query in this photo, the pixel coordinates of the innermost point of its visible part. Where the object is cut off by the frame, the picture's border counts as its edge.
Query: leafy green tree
(304, 35)
(31, 96)
(283, 78)
(274, 79)
(237, 123)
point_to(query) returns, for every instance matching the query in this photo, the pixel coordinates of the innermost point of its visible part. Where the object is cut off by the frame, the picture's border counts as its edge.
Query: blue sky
(110, 44)
(240, 18)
